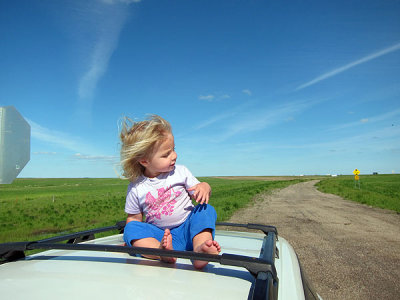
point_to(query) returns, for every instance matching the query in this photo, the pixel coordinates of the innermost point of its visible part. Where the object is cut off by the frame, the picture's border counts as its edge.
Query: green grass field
(376, 190)
(33, 209)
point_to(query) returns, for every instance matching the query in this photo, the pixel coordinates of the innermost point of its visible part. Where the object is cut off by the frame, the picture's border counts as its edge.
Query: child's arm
(201, 192)
(134, 217)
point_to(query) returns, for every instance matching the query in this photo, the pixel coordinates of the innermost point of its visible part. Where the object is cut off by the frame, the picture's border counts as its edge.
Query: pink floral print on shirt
(164, 204)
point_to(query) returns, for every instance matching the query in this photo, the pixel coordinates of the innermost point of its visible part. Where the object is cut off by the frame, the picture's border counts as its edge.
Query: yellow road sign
(356, 177)
(356, 172)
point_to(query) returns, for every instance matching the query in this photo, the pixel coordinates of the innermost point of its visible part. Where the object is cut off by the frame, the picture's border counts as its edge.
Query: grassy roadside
(39, 208)
(33, 209)
(375, 190)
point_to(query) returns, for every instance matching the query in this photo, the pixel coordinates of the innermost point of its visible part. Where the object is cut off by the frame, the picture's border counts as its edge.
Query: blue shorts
(202, 217)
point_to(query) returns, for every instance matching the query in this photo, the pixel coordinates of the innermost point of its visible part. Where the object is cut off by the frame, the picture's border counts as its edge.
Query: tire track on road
(348, 250)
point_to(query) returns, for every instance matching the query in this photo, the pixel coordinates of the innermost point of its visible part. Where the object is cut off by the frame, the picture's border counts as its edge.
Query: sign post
(15, 134)
(356, 178)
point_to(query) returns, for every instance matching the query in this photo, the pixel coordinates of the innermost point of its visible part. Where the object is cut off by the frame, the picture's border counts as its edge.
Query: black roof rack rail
(253, 265)
(80, 236)
(14, 251)
(263, 268)
(264, 228)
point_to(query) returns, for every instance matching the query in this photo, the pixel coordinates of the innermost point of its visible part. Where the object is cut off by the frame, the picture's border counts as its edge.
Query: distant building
(375, 173)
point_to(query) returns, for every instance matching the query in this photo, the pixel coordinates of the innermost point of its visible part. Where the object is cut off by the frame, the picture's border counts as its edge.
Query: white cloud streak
(385, 138)
(246, 91)
(55, 138)
(214, 119)
(211, 97)
(58, 139)
(377, 140)
(370, 120)
(242, 120)
(225, 115)
(44, 153)
(106, 158)
(106, 20)
(263, 118)
(350, 65)
(207, 97)
(120, 1)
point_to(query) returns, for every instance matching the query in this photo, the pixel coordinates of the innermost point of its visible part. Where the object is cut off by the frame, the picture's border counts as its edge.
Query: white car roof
(86, 274)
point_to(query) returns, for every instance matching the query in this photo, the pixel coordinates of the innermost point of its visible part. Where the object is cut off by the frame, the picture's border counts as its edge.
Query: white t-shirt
(164, 199)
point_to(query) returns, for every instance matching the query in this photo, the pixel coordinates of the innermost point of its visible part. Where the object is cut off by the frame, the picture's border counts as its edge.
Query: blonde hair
(138, 141)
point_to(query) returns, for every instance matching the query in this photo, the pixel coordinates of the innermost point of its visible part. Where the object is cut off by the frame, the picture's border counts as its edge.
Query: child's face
(163, 158)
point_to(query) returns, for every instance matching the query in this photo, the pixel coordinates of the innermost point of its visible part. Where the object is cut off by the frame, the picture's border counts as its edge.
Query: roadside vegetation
(375, 190)
(33, 209)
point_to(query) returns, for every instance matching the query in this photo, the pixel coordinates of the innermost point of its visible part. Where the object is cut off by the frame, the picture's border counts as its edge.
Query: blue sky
(250, 87)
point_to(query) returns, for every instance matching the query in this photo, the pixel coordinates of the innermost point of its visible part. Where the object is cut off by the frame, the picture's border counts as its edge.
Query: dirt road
(348, 250)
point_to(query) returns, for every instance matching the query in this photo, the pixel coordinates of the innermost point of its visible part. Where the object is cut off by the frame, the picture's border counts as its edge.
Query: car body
(251, 266)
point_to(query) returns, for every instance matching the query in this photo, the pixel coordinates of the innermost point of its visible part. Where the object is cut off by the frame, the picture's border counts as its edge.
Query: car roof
(105, 274)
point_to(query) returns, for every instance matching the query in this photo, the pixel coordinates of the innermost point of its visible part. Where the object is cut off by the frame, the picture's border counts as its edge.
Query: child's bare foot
(210, 247)
(166, 244)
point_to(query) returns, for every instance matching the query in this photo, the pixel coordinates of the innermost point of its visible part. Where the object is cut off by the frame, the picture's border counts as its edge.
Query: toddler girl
(161, 191)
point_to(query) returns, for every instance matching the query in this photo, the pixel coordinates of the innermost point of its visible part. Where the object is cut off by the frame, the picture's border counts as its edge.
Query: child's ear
(144, 162)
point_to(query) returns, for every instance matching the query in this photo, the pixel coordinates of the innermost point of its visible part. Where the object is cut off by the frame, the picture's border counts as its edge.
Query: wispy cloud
(120, 1)
(225, 96)
(58, 139)
(247, 92)
(44, 153)
(369, 120)
(107, 19)
(377, 140)
(267, 117)
(99, 23)
(207, 97)
(105, 158)
(249, 117)
(227, 114)
(212, 97)
(214, 119)
(350, 65)
(384, 138)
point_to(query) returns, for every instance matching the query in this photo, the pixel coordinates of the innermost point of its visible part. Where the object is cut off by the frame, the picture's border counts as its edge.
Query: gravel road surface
(348, 250)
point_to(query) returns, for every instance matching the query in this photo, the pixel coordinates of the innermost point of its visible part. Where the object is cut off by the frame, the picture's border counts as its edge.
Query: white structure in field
(15, 135)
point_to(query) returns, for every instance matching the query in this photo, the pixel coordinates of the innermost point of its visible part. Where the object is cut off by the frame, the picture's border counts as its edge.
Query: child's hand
(201, 192)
